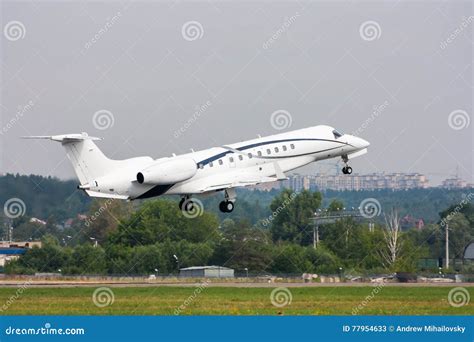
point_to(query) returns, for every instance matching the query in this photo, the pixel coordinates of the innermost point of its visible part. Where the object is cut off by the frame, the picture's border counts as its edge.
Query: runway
(213, 283)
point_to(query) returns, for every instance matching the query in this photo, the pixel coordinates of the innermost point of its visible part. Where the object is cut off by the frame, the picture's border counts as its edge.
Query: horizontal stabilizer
(102, 195)
(64, 138)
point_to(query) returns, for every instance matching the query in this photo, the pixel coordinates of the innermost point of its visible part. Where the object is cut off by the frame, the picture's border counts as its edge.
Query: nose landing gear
(347, 170)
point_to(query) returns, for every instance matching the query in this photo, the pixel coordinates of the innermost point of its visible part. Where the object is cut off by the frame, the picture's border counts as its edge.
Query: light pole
(68, 238)
(177, 261)
(447, 246)
(94, 240)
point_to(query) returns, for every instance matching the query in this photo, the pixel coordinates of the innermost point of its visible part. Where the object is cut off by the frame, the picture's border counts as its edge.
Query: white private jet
(215, 169)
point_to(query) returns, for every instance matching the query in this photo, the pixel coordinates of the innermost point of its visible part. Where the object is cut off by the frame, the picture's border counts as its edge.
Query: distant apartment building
(455, 183)
(373, 181)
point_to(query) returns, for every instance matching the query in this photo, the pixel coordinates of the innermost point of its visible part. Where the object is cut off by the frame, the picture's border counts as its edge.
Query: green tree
(243, 246)
(161, 220)
(336, 205)
(293, 214)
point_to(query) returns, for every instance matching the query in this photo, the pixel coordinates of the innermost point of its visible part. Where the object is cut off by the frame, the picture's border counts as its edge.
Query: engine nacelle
(168, 172)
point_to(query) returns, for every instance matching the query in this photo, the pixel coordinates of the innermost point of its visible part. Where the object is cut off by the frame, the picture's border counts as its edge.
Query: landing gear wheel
(229, 206)
(188, 205)
(344, 170)
(181, 202)
(348, 170)
(226, 206)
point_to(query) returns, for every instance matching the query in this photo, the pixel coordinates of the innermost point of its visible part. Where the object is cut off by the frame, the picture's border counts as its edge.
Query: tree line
(155, 237)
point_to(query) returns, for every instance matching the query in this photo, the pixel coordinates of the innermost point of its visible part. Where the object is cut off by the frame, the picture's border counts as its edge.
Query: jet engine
(168, 172)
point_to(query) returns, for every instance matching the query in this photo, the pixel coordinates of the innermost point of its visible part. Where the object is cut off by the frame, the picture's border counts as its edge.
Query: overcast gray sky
(147, 66)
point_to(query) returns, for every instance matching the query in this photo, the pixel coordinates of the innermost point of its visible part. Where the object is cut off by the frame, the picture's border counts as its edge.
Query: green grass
(233, 301)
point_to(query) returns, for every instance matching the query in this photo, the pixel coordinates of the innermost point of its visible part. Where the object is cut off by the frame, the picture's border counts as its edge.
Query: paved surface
(63, 284)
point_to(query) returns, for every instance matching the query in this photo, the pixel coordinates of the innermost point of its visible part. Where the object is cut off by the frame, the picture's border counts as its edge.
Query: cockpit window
(337, 134)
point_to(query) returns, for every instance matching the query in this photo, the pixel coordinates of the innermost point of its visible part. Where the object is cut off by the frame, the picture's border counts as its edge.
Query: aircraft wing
(235, 181)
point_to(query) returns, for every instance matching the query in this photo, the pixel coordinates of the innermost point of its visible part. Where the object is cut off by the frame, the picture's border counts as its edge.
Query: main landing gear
(347, 170)
(227, 205)
(186, 204)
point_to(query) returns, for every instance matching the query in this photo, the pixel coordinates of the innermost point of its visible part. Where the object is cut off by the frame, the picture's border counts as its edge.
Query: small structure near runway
(10, 250)
(206, 272)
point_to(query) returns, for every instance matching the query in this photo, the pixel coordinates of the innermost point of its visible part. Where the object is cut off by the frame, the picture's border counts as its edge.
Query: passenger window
(284, 147)
(221, 162)
(292, 146)
(276, 149)
(240, 157)
(268, 151)
(250, 155)
(259, 153)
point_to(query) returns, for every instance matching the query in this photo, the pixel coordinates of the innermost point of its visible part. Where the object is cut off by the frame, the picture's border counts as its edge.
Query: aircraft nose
(358, 143)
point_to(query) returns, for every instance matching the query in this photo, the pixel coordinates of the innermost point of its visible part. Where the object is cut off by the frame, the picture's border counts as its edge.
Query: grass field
(391, 300)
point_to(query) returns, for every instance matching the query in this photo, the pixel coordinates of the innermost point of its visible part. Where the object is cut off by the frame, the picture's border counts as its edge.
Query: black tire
(222, 207)
(229, 206)
(349, 170)
(344, 170)
(188, 205)
(180, 204)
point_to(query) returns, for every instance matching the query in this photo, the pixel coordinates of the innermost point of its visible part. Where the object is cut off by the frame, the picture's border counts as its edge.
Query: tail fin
(87, 159)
